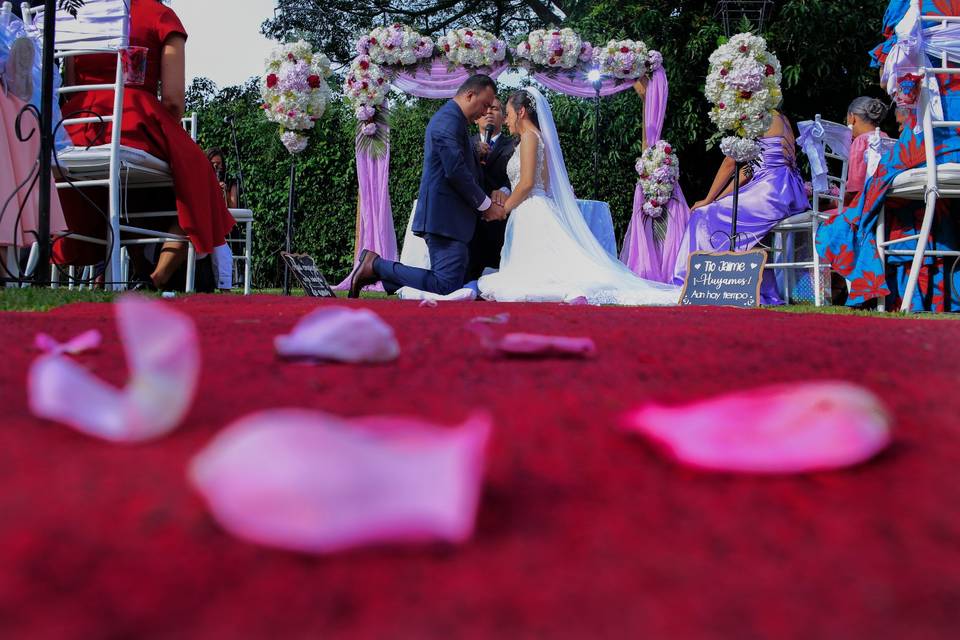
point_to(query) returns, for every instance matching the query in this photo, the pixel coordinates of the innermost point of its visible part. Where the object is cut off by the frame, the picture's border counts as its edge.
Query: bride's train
(549, 253)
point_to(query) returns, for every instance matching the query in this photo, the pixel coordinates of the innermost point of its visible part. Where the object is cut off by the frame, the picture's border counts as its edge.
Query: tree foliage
(822, 45)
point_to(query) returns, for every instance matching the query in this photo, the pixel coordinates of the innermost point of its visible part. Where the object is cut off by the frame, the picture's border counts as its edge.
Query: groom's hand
(494, 212)
(498, 197)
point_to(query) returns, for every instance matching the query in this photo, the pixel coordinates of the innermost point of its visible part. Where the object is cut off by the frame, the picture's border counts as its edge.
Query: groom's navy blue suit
(448, 207)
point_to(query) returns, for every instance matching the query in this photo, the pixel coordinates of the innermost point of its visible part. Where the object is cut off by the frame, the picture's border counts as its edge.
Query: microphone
(489, 132)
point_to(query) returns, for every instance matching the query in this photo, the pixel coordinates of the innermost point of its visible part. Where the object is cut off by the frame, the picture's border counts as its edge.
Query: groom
(450, 201)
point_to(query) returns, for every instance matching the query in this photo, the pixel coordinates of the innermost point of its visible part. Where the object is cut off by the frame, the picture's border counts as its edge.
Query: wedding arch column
(641, 252)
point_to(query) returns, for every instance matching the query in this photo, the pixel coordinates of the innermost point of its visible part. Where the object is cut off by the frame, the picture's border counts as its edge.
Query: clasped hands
(496, 211)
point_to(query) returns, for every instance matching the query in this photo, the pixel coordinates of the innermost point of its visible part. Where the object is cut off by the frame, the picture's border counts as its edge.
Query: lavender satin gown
(775, 192)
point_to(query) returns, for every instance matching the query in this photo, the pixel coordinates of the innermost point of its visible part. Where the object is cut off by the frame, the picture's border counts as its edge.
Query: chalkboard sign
(724, 279)
(309, 277)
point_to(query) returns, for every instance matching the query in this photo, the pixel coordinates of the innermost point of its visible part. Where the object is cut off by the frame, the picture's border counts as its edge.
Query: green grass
(44, 299)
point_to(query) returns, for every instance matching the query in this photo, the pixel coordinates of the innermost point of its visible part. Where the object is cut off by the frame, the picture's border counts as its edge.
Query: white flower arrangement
(555, 48)
(294, 88)
(366, 87)
(659, 170)
(293, 141)
(744, 87)
(742, 150)
(472, 48)
(627, 59)
(395, 45)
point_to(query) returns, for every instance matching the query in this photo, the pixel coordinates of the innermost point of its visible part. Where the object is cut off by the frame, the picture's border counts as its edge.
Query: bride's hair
(523, 99)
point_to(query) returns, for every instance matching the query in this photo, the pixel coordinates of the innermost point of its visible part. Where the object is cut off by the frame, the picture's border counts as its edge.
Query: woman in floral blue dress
(848, 241)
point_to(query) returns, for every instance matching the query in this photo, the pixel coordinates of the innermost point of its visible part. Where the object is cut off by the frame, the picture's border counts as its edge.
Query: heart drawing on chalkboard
(753, 265)
(698, 265)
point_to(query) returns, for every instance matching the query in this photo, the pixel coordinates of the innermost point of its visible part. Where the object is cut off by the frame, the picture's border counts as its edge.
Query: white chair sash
(100, 24)
(877, 147)
(815, 136)
(917, 47)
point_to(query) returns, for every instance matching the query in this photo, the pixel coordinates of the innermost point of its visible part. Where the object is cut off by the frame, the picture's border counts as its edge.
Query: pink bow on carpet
(790, 428)
(86, 341)
(163, 358)
(314, 482)
(342, 335)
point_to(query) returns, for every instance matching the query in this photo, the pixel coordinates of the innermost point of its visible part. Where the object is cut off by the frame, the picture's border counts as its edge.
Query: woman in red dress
(153, 125)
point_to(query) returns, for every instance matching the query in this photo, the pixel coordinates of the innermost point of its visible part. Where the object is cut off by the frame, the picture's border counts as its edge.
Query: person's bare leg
(172, 256)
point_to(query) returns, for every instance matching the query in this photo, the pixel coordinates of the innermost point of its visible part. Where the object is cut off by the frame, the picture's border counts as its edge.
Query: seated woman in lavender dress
(774, 192)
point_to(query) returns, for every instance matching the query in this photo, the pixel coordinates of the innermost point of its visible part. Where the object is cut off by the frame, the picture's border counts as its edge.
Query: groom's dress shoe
(363, 274)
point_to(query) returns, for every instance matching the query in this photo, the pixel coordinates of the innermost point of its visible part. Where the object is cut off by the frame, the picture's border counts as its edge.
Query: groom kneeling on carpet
(450, 202)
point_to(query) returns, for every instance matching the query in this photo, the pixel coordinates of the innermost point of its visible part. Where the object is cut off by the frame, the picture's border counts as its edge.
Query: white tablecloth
(596, 213)
(598, 217)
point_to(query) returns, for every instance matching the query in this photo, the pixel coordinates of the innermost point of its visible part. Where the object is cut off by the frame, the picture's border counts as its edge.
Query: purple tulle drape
(439, 81)
(375, 216)
(640, 249)
(579, 86)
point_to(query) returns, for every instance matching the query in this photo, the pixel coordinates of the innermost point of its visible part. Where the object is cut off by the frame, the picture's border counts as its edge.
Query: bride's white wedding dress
(549, 253)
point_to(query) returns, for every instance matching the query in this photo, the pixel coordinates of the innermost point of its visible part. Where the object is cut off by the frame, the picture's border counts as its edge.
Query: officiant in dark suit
(493, 155)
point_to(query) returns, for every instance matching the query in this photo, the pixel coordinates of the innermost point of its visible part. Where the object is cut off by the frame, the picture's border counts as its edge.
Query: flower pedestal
(291, 204)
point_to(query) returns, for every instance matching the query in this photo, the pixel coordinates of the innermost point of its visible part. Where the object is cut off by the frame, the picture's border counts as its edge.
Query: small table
(600, 221)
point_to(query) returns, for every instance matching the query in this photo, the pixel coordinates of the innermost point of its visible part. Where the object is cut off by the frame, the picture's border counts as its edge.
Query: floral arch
(400, 58)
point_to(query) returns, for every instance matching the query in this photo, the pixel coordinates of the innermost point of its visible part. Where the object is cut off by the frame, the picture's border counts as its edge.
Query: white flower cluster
(659, 170)
(742, 150)
(366, 87)
(627, 59)
(395, 45)
(293, 141)
(294, 88)
(557, 48)
(744, 86)
(472, 48)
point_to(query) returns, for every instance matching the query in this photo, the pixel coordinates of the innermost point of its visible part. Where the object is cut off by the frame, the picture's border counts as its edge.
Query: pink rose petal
(578, 301)
(791, 428)
(500, 318)
(429, 303)
(342, 335)
(86, 341)
(314, 482)
(163, 358)
(530, 344)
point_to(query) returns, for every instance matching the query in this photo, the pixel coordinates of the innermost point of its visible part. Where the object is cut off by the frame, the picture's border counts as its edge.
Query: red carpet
(582, 532)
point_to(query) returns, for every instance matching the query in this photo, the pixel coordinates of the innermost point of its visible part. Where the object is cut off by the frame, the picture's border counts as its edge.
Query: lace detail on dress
(513, 169)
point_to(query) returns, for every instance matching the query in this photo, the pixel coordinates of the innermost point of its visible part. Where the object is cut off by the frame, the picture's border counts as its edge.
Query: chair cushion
(95, 161)
(913, 182)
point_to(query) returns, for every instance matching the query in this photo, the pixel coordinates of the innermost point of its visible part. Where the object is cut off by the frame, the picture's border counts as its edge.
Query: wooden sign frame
(761, 256)
(323, 290)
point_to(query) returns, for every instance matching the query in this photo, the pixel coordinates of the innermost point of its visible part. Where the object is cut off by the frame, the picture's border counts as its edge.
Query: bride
(549, 253)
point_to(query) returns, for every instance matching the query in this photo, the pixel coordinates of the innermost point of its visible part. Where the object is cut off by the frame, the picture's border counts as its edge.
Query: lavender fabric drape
(640, 249)
(640, 252)
(438, 81)
(375, 226)
(579, 85)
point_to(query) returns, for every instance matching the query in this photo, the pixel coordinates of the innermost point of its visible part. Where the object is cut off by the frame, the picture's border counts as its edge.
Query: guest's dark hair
(477, 83)
(522, 99)
(870, 109)
(213, 152)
